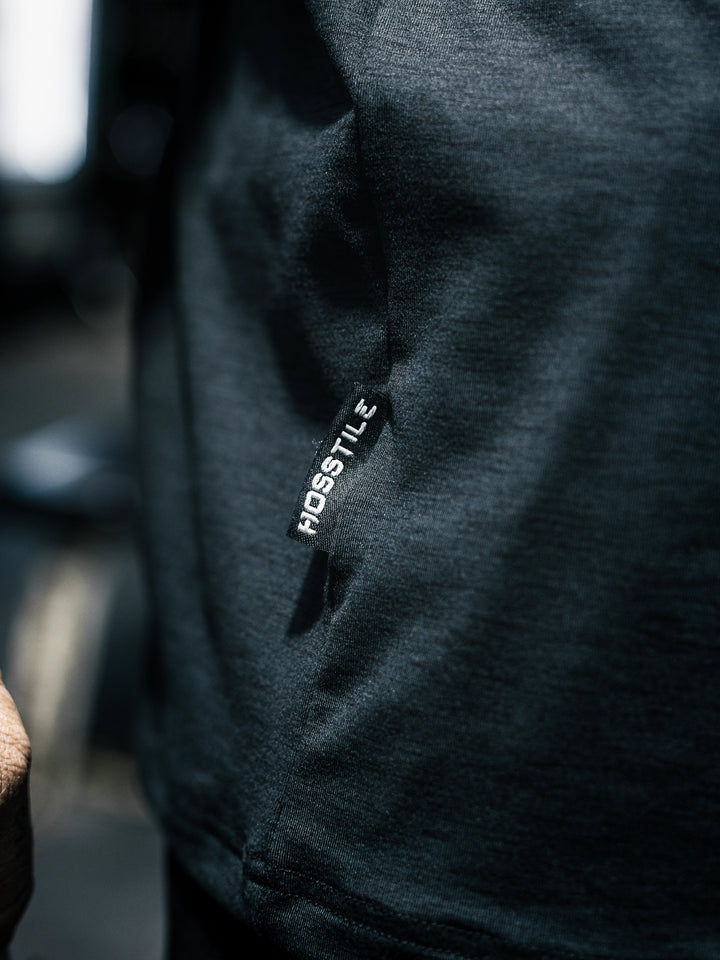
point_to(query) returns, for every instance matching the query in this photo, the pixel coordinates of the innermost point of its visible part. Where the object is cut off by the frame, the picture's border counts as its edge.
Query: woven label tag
(339, 459)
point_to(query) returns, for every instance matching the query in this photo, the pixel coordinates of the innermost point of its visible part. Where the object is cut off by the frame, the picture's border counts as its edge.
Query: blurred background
(88, 93)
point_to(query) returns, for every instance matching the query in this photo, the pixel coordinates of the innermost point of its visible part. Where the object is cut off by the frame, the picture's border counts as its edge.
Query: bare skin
(15, 830)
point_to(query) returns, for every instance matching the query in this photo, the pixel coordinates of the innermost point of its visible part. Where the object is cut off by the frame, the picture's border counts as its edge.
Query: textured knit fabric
(484, 722)
(200, 929)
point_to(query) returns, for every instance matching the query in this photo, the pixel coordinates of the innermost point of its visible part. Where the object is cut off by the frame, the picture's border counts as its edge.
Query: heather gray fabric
(484, 724)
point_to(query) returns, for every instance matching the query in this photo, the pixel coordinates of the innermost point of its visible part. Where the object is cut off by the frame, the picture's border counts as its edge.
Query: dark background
(73, 614)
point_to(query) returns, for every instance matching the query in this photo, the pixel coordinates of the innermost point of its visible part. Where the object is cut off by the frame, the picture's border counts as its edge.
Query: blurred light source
(44, 80)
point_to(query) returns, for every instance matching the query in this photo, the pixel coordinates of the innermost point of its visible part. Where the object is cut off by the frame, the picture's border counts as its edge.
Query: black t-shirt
(475, 713)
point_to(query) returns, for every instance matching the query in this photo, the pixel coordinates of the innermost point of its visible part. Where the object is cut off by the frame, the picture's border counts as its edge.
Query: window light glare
(44, 77)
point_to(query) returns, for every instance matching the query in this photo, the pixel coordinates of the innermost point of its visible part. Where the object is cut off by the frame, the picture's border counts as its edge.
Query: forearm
(15, 830)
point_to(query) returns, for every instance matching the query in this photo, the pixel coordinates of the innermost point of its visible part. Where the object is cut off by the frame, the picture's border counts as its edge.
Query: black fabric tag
(339, 458)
